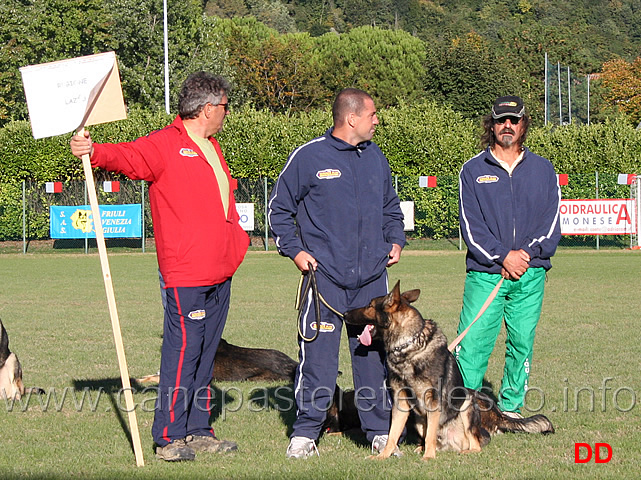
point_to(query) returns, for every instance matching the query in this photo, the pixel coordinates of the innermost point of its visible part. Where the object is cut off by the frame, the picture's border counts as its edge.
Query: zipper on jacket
(514, 246)
(513, 213)
(358, 213)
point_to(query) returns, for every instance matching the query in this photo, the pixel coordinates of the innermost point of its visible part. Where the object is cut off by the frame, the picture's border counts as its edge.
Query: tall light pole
(164, 6)
(546, 93)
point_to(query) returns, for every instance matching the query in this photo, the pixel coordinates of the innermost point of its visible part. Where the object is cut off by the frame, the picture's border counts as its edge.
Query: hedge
(419, 139)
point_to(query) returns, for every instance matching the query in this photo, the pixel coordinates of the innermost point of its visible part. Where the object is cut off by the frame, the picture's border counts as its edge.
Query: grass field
(585, 375)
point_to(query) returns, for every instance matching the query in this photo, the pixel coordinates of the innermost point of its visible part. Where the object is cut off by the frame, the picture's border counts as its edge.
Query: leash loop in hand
(317, 299)
(311, 284)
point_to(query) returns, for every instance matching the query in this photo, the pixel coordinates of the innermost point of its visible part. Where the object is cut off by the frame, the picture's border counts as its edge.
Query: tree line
(290, 57)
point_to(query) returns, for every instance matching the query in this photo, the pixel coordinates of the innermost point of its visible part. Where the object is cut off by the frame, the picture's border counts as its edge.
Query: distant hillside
(589, 30)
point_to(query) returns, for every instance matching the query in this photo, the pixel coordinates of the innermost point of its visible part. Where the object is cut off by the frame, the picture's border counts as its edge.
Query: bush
(418, 139)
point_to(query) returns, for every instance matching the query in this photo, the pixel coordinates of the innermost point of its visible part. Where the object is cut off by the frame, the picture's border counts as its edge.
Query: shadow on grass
(279, 398)
(276, 397)
(75, 244)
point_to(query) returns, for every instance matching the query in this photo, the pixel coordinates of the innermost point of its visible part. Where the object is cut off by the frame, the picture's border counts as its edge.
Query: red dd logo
(578, 447)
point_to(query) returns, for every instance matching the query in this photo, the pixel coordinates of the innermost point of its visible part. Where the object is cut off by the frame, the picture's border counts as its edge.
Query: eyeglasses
(225, 105)
(502, 120)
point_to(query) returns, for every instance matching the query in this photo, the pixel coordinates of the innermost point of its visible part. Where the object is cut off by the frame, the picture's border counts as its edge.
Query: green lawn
(585, 372)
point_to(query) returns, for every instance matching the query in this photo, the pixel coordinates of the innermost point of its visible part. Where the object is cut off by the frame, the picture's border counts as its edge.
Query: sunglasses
(224, 105)
(513, 120)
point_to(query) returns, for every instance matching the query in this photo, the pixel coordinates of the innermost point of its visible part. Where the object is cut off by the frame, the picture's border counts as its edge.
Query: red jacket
(195, 243)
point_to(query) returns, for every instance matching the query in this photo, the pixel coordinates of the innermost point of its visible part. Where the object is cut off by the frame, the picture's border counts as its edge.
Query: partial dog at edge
(424, 377)
(11, 385)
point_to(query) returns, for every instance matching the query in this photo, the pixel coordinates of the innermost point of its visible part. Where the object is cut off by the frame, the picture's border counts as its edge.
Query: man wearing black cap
(509, 214)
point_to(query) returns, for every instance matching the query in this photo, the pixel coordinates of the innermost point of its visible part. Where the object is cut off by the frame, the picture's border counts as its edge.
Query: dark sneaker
(209, 444)
(176, 451)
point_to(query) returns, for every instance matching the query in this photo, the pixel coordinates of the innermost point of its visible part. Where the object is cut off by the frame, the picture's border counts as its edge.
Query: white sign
(408, 213)
(246, 214)
(598, 217)
(66, 95)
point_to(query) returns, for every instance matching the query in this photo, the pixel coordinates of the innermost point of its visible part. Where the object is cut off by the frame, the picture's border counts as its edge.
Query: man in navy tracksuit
(509, 213)
(334, 208)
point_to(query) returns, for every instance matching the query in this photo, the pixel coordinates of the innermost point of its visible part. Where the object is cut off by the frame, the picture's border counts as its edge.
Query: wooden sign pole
(113, 312)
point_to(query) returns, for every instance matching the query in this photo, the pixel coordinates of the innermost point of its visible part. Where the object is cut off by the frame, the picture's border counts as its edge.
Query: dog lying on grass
(239, 364)
(425, 378)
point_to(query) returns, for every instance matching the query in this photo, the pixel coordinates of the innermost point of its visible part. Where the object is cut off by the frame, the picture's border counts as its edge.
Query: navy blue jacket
(336, 202)
(500, 212)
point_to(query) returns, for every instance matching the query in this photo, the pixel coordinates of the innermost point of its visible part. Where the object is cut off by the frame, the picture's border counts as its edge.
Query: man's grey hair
(198, 90)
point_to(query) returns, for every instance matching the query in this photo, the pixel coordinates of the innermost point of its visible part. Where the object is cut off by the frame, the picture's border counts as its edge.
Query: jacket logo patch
(487, 179)
(188, 152)
(196, 314)
(328, 174)
(324, 327)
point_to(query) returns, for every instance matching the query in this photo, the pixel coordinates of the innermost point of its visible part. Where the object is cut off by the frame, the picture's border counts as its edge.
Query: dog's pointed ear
(394, 297)
(411, 295)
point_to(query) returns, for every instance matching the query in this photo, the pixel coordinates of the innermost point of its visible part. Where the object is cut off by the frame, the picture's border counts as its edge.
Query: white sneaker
(378, 444)
(301, 447)
(512, 414)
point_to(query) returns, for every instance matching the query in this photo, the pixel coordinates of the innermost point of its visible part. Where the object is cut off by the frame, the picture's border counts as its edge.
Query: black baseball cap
(509, 106)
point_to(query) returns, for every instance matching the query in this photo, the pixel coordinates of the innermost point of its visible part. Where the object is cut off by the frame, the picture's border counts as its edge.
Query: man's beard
(505, 140)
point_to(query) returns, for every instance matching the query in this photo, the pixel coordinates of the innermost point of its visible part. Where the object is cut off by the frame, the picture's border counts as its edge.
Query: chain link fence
(24, 209)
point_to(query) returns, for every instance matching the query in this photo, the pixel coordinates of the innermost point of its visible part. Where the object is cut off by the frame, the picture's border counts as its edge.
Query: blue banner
(118, 221)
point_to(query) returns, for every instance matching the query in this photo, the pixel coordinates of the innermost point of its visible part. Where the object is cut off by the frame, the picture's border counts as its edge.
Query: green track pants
(519, 304)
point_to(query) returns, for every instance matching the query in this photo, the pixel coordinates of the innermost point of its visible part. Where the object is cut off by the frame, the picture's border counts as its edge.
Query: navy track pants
(194, 322)
(318, 362)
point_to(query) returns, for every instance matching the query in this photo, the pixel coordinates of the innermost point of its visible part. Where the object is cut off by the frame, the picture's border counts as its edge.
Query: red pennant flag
(626, 178)
(53, 187)
(429, 182)
(112, 187)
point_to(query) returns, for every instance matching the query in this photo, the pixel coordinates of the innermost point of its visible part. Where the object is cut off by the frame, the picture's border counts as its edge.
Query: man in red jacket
(199, 245)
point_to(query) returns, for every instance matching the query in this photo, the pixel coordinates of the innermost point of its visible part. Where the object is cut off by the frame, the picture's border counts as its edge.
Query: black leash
(311, 284)
(317, 299)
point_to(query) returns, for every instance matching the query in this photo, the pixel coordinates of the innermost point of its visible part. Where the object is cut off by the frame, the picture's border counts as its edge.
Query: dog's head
(383, 311)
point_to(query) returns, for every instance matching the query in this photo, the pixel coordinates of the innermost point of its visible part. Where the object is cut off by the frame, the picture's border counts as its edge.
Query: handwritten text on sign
(63, 96)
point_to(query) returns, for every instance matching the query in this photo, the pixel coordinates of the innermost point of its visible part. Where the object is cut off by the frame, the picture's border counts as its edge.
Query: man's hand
(515, 264)
(394, 255)
(303, 259)
(81, 145)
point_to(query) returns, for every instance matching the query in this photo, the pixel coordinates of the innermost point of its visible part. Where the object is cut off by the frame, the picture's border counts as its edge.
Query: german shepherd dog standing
(424, 377)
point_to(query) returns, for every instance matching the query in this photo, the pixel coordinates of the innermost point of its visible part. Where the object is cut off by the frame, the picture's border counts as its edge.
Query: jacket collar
(178, 123)
(490, 158)
(343, 145)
